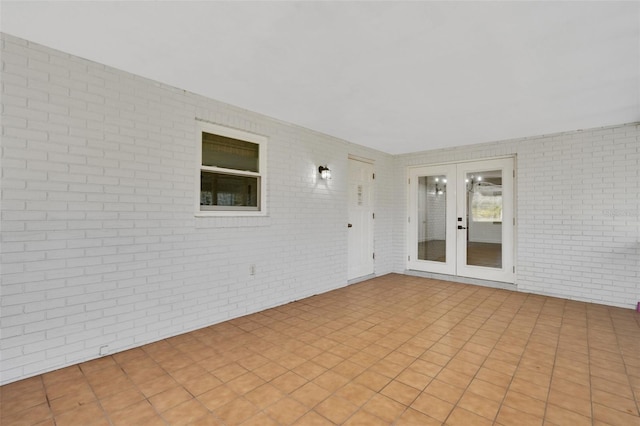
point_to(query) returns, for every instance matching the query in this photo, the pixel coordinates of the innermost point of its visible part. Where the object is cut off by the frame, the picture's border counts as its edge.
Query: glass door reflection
(484, 206)
(432, 218)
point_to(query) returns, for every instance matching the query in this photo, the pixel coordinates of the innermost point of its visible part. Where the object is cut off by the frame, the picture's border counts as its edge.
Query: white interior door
(461, 219)
(360, 225)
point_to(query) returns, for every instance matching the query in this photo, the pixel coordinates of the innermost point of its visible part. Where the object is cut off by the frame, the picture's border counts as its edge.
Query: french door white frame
(449, 266)
(456, 223)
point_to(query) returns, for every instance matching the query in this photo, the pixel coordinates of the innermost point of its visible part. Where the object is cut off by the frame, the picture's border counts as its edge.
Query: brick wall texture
(101, 247)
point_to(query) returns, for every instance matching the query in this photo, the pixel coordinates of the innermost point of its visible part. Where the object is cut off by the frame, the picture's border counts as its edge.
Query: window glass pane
(228, 153)
(219, 190)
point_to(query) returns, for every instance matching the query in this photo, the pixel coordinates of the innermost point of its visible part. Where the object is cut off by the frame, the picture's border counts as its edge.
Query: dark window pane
(228, 153)
(219, 190)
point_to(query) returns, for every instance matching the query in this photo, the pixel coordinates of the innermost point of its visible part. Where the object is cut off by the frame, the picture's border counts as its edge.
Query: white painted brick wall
(100, 245)
(578, 211)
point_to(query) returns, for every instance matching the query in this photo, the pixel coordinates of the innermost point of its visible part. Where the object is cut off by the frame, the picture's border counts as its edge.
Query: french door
(461, 219)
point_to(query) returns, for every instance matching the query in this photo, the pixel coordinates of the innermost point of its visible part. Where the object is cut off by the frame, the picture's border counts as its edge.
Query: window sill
(231, 220)
(229, 213)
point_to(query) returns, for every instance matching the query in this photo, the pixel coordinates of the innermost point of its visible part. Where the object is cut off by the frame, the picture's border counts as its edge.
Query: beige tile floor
(392, 350)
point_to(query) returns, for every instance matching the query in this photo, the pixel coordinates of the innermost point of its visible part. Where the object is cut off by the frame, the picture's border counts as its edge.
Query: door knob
(461, 227)
(349, 226)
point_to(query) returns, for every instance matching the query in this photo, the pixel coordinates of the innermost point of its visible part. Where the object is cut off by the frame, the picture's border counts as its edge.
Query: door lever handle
(349, 225)
(461, 227)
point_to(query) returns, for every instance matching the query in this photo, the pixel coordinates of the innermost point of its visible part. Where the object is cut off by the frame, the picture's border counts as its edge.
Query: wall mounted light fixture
(324, 171)
(473, 182)
(441, 185)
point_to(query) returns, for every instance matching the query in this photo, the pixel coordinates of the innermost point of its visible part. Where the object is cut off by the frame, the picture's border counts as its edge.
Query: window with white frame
(232, 171)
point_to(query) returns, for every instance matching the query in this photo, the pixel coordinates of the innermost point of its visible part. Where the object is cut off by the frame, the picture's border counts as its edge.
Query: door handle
(349, 225)
(461, 227)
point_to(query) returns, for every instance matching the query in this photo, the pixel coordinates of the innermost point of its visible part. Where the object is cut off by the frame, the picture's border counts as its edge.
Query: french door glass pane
(432, 218)
(484, 218)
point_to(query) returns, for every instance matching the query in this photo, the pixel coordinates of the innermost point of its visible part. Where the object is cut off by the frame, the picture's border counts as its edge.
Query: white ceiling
(396, 76)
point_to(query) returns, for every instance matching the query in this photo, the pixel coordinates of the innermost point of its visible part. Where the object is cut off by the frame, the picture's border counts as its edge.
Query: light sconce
(324, 171)
(473, 183)
(441, 185)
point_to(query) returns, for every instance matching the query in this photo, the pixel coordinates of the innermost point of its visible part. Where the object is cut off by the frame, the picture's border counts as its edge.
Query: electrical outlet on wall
(104, 350)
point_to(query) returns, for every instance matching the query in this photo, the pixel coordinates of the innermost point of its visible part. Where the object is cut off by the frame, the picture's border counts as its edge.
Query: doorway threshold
(463, 280)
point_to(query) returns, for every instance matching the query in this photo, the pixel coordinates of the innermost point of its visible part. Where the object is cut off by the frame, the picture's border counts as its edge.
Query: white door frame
(449, 266)
(456, 239)
(506, 272)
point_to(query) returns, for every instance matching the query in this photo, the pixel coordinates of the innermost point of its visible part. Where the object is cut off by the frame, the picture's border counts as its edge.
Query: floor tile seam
(212, 412)
(137, 386)
(502, 401)
(553, 369)
(374, 415)
(93, 392)
(361, 407)
(166, 371)
(97, 401)
(476, 373)
(442, 315)
(439, 291)
(440, 399)
(311, 409)
(46, 396)
(47, 400)
(378, 392)
(466, 389)
(437, 341)
(146, 399)
(636, 399)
